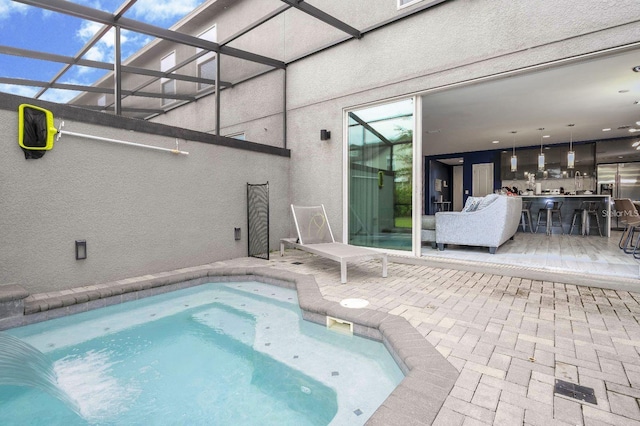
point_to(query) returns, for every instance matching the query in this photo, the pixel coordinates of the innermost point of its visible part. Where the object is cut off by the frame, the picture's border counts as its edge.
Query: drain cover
(296, 263)
(572, 390)
(354, 303)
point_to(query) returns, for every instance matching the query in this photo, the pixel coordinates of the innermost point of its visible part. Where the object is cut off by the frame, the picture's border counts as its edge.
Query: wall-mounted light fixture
(541, 155)
(236, 234)
(571, 155)
(81, 249)
(325, 135)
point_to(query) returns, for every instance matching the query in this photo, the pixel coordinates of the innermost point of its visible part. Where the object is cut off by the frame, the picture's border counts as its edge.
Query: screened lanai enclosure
(127, 58)
(192, 72)
(380, 175)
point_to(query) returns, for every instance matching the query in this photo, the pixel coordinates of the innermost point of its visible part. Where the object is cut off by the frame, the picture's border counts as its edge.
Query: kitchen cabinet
(555, 162)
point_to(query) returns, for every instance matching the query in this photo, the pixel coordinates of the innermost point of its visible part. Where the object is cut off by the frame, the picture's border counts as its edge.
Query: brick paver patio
(510, 338)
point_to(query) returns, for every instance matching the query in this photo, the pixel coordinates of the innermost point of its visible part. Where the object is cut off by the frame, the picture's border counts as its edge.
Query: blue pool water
(223, 354)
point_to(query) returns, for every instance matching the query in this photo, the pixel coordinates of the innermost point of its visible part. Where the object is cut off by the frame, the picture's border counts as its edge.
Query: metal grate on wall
(258, 220)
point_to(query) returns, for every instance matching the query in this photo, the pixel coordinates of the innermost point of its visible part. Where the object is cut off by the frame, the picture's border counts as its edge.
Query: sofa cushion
(472, 204)
(485, 201)
(428, 235)
(428, 222)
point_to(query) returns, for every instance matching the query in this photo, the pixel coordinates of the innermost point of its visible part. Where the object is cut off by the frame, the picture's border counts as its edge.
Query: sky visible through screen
(36, 29)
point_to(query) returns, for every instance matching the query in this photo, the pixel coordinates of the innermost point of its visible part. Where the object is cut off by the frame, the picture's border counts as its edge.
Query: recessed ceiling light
(638, 123)
(635, 144)
(607, 129)
(495, 142)
(620, 156)
(546, 136)
(633, 130)
(460, 161)
(547, 147)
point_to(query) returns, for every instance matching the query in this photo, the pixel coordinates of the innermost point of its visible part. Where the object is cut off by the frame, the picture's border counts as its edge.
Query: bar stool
(631, 219)
(526, 216)
(547, 212)
(584, 212)
(593, 210)
(578, 213)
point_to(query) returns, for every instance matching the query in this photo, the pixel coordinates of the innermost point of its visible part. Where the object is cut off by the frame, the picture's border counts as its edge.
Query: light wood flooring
(590, 255)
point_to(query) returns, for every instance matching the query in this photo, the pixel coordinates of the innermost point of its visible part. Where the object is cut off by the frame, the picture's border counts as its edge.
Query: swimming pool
(214, 354)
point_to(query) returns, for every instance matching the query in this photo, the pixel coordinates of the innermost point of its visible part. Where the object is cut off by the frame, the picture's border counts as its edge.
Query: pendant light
(514, 159)
(541, 156)
(571, 155)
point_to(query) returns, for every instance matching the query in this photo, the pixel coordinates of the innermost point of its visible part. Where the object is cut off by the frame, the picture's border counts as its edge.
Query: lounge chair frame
(328, 248)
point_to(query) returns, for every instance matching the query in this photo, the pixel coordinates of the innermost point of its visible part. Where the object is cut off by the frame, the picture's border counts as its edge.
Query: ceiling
(592, 94)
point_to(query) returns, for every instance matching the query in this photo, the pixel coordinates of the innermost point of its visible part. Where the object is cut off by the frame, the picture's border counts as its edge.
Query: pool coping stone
(417, 399)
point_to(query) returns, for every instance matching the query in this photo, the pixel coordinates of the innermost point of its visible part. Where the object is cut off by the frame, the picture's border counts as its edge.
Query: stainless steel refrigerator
(620, 180)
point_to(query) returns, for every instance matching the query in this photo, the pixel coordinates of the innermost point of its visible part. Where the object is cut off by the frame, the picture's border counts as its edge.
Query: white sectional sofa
(428, 231)
(487, 222)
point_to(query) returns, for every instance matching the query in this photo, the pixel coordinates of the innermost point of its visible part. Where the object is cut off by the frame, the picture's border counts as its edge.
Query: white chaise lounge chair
(315, 236)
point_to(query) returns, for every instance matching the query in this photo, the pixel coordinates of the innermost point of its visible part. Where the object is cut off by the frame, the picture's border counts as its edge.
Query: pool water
(223, 354)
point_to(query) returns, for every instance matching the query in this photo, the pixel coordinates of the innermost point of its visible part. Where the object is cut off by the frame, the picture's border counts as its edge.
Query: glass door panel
(380, 175)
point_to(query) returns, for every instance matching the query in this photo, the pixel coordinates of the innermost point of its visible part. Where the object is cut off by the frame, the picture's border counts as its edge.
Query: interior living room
(488, 137)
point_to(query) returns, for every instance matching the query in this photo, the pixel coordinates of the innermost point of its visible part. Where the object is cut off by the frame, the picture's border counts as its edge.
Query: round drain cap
(354, 303)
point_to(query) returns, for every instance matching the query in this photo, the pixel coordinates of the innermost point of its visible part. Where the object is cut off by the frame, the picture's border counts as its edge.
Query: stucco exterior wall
(455, 42)
(140, 211)
(462, 39)
(255, 107)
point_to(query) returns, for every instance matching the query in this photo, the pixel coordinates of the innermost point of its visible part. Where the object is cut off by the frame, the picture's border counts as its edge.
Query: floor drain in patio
(354, 303)
(296, 263)
(574, 391)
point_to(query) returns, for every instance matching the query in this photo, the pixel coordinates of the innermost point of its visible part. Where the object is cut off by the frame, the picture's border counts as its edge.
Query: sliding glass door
(380, 175)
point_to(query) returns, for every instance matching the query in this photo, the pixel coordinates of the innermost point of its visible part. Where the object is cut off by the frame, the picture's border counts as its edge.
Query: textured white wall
(451, 43)
(140, 211)
(462, 39)
(255, 108)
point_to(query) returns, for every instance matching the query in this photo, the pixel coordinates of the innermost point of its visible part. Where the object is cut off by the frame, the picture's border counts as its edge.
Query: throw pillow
(487, 200)
(472, 204)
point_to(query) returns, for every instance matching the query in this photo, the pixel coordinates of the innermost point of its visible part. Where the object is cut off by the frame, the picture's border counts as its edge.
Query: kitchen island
(569, 204)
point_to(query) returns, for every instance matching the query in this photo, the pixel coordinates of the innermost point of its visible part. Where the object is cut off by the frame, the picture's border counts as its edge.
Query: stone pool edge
(417, 399)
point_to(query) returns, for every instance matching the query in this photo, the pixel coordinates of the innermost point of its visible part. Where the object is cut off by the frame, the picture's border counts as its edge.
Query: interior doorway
(482, 181)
